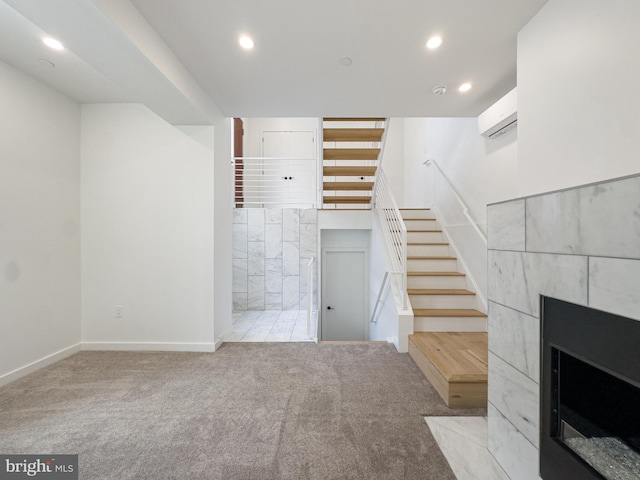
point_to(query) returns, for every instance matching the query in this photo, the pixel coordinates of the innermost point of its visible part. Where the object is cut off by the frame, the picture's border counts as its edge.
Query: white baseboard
(222, 338)
(149, 347)
(38, 364)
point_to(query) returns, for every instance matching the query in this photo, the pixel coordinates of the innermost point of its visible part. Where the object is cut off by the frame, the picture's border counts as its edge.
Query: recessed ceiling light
(439, 90)
(465, 87)
(46, 63)
(53, 43)
(434, 42)
(345, 61)
(246, 42)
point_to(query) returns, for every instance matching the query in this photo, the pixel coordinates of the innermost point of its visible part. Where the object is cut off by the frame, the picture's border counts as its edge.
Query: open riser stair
(351, 151)
(450, 323)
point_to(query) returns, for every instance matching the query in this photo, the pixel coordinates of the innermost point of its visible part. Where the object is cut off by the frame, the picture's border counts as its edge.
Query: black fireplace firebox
(589, 394)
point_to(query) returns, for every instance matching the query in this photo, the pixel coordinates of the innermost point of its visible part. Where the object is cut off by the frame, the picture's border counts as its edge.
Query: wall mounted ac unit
(501, 117)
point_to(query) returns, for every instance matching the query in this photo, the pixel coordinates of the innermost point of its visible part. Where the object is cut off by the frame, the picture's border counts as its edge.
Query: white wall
(393, 158)
(147, 230)
(253, 128)
(39, 223)
(480, 170)
(483, 171)
(418, 180)
(223, 233)
(579, 104)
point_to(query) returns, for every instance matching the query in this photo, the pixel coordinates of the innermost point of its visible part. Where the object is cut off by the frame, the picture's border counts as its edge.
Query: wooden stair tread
(439, 291)
(427, 243)
(422, 257)
(349, 171)
(448, 312)
(435, 274)
(351, 153)
(352, 134)
(347, 186)
(354, 119)
(347, 199)
(458, 356)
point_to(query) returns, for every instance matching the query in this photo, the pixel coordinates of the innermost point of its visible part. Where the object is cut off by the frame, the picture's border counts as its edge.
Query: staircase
(450, 340)
(351, 150)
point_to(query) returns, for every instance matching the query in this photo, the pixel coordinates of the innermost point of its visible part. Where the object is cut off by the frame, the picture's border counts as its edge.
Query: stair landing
(455, 363)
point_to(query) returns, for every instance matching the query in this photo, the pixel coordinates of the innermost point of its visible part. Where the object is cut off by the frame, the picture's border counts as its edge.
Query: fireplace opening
(597, 415)
(590, 394)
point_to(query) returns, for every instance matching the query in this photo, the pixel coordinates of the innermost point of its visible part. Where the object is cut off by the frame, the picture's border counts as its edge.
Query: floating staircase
(450, 340)
(350, 157)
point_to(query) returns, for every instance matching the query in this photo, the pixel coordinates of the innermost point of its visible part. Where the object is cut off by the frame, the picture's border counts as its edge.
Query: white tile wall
(271, 250)
(580, 245)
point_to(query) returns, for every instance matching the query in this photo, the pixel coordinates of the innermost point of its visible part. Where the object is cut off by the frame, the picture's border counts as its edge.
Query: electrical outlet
(119, 311)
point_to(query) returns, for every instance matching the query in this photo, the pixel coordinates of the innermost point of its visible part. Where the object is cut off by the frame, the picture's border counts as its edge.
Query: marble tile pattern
(596, 220)
(272, 326)
(463, 441)
(271, 250)
(506, 226)
(516, 395)
(580, 245)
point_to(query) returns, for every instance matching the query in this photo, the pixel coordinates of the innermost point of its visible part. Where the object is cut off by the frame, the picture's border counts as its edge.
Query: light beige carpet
(248, 411)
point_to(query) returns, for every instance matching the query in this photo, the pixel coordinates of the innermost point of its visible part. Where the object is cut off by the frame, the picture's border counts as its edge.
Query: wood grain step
(456, 364)
(352, 134)
(435, 274)
(439, 291)
(347, 186)
(349, 171)
(354, 119)
(351, 153)
(347, 199)
(429, 244)
(448, 312)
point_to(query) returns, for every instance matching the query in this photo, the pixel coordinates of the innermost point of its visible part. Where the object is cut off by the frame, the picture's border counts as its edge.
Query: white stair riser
(428, 250)
(443, 301)
(436, 282)
(416, 214)
(425, 237)
(432, 265)
(449, 324)
(422, 225)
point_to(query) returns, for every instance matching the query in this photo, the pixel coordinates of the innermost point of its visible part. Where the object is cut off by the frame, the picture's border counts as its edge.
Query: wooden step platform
(439, 291)
(351, 153)
(448, 312)
(347, 199)
(354, 119)
(455, 364)
(347, 186)
(352, 134)
(349, 171)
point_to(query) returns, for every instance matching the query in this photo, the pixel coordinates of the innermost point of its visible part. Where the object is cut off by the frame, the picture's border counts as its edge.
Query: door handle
(330, 308)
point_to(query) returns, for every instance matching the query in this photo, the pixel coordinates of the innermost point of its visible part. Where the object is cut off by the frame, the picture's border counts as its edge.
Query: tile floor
(463, 441)
(271, 326)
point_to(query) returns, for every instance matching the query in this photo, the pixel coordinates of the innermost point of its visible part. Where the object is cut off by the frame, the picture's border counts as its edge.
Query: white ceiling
(192, 52)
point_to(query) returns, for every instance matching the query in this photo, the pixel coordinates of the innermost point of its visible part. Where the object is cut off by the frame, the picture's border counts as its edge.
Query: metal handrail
(465, 209)
(394, 233)
(310, 294)
(275, 181)
(379, 299)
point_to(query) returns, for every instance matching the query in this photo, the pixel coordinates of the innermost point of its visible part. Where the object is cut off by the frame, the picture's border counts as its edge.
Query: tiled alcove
(271, 250)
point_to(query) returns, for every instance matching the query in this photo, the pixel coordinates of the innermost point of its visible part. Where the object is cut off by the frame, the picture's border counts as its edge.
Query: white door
(289, 169)
(344, 296)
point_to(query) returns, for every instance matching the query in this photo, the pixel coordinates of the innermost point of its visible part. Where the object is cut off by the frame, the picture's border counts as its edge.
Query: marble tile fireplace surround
(580, 245)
